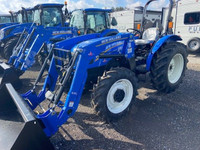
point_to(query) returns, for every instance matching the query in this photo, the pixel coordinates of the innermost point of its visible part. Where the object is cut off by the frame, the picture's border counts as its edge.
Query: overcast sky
(14, 5)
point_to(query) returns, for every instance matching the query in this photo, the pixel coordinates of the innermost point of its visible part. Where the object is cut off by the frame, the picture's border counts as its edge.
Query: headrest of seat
(150, 34)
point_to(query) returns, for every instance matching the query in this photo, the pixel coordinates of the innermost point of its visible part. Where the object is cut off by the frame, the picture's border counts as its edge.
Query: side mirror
(114, 21)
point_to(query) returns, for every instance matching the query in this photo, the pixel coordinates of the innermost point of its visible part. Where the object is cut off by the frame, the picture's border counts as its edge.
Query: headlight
(1, 34)
(75, 49)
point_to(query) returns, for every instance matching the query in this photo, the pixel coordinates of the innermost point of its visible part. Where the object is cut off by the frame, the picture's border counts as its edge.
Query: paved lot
(157, 121)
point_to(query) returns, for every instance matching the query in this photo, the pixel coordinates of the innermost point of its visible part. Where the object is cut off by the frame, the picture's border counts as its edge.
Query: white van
(186, 18)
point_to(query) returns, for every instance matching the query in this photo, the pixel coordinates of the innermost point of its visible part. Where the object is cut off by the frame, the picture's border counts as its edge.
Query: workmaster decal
(61, 32)
(113, 39)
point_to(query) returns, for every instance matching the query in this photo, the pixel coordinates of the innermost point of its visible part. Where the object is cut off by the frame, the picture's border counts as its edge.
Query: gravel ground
(157, 121)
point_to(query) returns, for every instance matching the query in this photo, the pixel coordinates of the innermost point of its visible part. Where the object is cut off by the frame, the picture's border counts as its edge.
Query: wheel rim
(119, 96)
(175, 68)
(194, 45)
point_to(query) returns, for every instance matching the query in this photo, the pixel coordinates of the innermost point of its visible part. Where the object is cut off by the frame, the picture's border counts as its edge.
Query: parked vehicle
(186, 22)
(132, 18)
(4, 18)
(22, 20)
(10, 19)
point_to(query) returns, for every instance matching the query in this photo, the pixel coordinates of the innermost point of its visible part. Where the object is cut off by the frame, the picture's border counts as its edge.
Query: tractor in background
(5, 18)
(12, 31)
(8, 20)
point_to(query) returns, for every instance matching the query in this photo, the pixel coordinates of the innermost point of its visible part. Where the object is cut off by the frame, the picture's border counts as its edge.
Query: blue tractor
(111, 63)
(12, 31)
(5, 19)
(46, 19)
(83, 22)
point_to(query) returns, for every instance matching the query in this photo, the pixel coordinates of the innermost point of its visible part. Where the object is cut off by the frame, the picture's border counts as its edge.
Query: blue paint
(95, 42)
(158, 45)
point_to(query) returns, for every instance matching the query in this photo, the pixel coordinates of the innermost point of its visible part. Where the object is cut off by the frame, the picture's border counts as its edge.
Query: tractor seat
(149, 36)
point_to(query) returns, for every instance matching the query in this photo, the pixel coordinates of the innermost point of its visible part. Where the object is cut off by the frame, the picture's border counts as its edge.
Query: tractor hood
(73, 32)
(3, 25)
(12, 30)
(70, 43)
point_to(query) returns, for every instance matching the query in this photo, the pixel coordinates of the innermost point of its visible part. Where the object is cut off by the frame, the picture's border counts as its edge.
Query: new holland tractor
(109, 62)
(9, 20)
(5, 19)
(12, 31)
(83, 22)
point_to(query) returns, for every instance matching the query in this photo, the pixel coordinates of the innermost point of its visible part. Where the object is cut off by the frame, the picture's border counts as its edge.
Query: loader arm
(50, 81)
(26, 55)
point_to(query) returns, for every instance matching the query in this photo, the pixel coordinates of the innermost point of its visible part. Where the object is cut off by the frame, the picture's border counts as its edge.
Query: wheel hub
(175, 68)
(119, 95)
(171, 67)
(194, 45)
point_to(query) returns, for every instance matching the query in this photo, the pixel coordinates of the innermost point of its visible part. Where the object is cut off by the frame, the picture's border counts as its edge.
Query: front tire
(114, 94)
(9, 46)
(168, 67)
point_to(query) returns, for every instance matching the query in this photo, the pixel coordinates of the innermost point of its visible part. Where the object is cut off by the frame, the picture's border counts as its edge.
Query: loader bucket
(19, 129)
(9, 75)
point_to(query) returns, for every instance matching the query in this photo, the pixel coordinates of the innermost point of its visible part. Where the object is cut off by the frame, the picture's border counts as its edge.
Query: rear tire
(114, 94)
(9, 46)
(168, 67)
(194, 45)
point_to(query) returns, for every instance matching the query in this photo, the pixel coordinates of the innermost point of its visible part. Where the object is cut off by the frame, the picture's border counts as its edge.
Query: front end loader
(19, 128)
(25, 117)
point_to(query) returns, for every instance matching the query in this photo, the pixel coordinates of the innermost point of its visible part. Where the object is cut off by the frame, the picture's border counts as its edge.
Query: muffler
(19, 129)
(9, 75)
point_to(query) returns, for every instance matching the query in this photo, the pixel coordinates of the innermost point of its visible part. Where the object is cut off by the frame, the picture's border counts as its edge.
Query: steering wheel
(89, 30)
(134, 31)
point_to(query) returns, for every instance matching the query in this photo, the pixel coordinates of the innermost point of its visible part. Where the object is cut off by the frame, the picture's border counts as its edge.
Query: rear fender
(158, 45)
